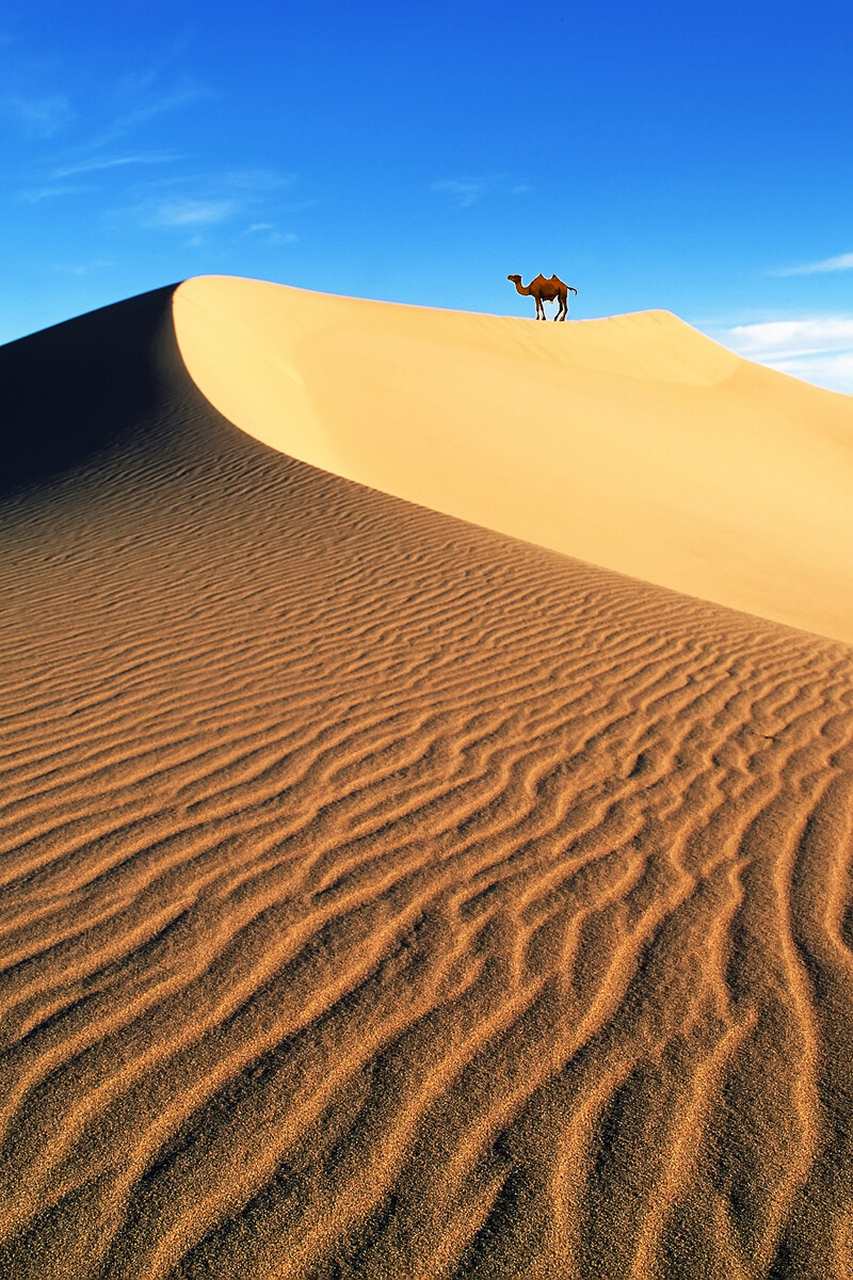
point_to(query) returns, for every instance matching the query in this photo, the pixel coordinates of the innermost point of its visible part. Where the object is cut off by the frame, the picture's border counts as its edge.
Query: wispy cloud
(187, 201)
(35, 195)
(117, 110)
(183, 91)
(269, 233)
(818, 349)
(467, 191)
(39, 117)
(55, 184)
(84, 269)
(842, 262)
(137, 82)
(187, 212)
(119, 161)
(257, 182)
(100, 163)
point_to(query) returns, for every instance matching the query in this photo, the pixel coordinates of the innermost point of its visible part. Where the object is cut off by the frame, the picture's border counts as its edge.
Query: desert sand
(635, 442)
(426, 833)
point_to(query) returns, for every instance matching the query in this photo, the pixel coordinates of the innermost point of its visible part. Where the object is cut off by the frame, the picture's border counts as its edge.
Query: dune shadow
(74, 389)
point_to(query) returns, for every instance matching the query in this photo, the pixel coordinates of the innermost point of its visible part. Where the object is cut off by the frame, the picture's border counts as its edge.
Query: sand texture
(383, 896)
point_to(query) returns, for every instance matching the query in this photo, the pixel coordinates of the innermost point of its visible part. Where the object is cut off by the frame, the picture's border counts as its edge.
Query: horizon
(680, 161)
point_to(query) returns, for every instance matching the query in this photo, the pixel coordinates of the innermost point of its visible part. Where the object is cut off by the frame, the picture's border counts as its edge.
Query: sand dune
(384, 896)
(635, 443)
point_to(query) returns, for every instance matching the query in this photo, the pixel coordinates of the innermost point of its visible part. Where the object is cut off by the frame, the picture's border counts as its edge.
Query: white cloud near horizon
(817, 349)
(842, 262)
(784, 338)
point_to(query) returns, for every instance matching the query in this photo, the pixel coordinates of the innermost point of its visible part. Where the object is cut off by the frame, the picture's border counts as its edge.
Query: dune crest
(634, 443)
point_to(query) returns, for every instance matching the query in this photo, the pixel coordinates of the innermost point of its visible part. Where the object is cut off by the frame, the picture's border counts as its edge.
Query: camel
(542, 290)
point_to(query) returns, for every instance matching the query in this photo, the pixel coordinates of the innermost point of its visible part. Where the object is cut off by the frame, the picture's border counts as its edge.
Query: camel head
(513, 277)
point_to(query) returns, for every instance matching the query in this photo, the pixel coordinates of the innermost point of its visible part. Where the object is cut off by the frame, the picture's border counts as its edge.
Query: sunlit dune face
(632, 442)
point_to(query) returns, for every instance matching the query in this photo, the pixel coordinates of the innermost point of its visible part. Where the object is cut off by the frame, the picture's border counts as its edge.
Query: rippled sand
(387, 897)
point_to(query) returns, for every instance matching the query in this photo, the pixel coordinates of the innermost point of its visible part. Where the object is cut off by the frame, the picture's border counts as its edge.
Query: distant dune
(384, 896)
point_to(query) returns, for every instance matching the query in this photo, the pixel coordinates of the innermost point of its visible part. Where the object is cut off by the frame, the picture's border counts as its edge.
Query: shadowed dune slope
(384, 897)
(635, 442)
(71, 391)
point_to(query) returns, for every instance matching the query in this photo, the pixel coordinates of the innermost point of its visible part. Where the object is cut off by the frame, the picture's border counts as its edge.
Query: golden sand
(635, 442)
(384, 896)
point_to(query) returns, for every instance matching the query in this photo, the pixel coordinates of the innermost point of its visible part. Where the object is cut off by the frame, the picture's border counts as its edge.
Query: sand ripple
(385, 897)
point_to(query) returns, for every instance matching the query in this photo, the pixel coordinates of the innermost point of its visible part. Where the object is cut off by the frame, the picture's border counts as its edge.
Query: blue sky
(692, 157)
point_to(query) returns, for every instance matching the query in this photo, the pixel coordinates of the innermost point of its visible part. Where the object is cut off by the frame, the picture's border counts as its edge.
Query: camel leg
(540, 309)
